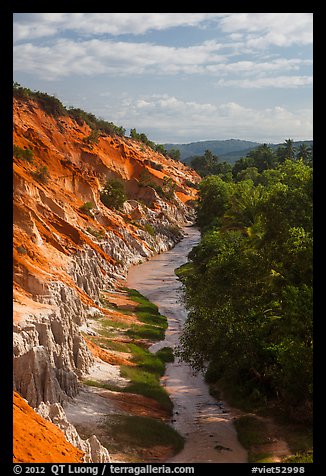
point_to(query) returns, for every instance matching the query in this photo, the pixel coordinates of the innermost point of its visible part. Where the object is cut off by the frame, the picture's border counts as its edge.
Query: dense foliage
(249, 287)
(210, 164)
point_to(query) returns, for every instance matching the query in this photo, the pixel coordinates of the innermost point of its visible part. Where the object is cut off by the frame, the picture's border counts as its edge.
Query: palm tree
(244, 213)
(289, 149)
(304, 153)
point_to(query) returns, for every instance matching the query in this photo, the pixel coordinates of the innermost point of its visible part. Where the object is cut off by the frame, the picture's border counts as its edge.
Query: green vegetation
(22, 250)
(106, 386)
(251, 433)
(165, 191)
(248, 287)
(209, 164)
(166, 354)
(143, 432)
(300, 442)
(93, 137)
(24, 154)
(41, 174)
(86, 208)
(50, 104)
(113, 195)
(54, 107)
(147, 383)
(252, 164)
(145, 376)
(99, 234)
(148, 332)
(149, 228)
(141, 137)
(99, 126)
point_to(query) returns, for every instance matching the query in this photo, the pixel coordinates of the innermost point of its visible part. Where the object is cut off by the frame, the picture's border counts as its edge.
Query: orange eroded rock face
(107, 356)
(65, 253)
(49, 226)
(37, 440)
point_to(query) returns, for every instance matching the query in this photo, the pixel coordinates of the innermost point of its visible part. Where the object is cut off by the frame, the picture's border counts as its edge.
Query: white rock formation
(94, 451)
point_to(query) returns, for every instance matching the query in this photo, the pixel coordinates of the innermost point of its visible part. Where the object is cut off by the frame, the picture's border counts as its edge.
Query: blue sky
(177, 77)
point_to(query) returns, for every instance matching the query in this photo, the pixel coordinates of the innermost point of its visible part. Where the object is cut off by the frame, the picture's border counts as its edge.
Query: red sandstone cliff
(63, 256)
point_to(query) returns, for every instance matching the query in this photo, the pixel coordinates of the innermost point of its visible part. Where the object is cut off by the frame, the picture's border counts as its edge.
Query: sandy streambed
(205, 423)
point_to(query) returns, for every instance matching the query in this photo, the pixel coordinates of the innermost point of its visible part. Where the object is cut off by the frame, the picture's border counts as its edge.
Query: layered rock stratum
(64, 254)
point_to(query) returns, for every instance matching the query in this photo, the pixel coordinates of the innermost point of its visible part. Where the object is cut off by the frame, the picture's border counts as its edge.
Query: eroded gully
(205, 423)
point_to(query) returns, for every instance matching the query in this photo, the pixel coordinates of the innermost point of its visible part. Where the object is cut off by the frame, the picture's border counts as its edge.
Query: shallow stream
(205, 423)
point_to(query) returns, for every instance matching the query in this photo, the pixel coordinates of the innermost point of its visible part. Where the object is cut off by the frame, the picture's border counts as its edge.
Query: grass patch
(145, 376)
(184, 271)
(146, 360)
(300, 457)
(147, 311)
(145, 304)
(166, 354)
(146, 383)
(262, 458)
(251, 432)
(107, 386)
(110, 344)
(143, 432)
(107, 323)
(300, 442)
(145, 332)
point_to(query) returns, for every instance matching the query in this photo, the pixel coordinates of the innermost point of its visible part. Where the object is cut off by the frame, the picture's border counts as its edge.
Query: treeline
(54, 107)
(256, 161)
(248, 286)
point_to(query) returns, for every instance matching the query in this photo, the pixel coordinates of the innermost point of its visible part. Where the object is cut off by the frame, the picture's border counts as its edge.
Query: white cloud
(252, 68)
(255, 29)
(91, 57)
(264, 29)
(76, 46)
(170, 119)
(268, 82)
(35, 25)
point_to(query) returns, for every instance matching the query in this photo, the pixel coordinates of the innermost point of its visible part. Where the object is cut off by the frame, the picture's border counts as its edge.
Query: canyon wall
(68, 246)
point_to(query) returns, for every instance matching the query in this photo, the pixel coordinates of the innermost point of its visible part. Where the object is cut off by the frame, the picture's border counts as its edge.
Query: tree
(174, 154)
(248, 288)
(214, 196)
(285, 151)
(263, 157)
(304, 153)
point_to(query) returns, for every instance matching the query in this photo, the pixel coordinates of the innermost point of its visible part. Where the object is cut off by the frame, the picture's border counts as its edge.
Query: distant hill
(229, 150)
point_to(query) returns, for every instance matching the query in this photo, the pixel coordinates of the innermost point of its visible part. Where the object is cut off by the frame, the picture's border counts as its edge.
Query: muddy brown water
(206, 424)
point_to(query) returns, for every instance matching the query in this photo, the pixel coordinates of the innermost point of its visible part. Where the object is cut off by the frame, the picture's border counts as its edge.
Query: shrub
(113, 195)
(25, 154)
(149, 228)
(92, 138)
(86, 208)
(41, 174)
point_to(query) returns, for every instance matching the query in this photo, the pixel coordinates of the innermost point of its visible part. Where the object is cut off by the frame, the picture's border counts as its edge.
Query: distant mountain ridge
(228, 150)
